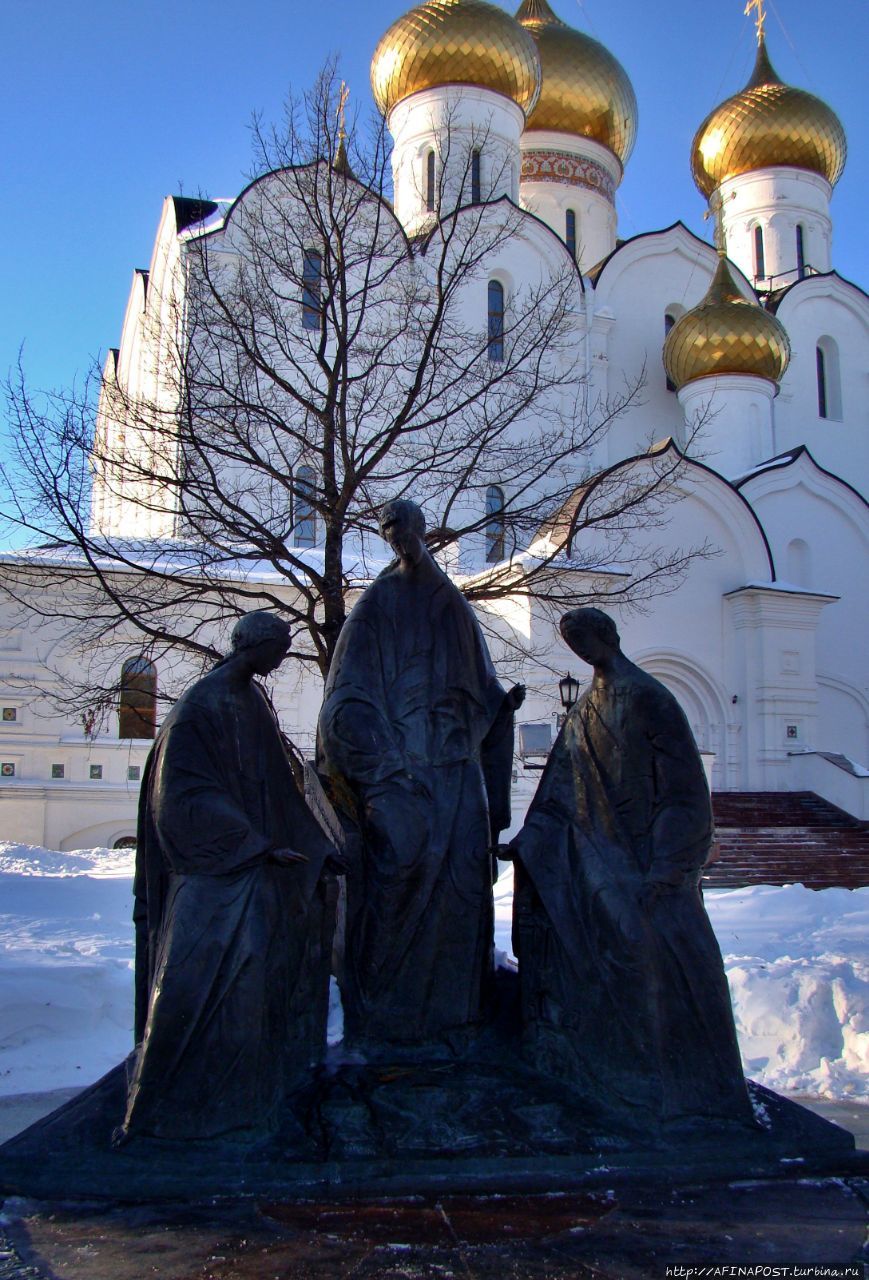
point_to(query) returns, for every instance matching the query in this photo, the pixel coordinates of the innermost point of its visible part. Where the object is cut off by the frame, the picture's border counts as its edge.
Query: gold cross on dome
(342, 106)
(759, 8)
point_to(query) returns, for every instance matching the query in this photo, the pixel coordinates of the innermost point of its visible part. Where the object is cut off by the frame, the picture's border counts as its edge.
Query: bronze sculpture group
(622, 989)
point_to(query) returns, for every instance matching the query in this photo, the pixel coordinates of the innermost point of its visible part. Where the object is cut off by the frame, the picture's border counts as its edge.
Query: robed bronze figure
(233, 920)
(623, 987)
(416, 727)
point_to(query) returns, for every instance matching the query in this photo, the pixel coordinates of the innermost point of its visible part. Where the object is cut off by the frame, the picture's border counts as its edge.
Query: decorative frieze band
(576, 171)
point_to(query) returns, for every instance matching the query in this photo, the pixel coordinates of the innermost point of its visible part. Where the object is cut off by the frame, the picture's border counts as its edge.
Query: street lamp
(568, 688)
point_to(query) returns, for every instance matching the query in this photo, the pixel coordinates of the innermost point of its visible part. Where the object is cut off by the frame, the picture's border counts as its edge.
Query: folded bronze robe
(623, 987)
(412, 716)
(232, 965)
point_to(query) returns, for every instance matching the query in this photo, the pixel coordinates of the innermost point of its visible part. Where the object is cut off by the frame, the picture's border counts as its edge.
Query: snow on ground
(797, 961)
(66, 965)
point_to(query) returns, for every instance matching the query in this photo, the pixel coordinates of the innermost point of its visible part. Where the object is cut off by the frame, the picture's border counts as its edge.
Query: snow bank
(798, 966)
(797, 962)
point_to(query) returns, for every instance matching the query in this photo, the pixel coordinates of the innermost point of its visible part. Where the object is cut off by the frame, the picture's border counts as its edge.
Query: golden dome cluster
(725, 334)
(456, 42)
(765, 125)
(585, 91)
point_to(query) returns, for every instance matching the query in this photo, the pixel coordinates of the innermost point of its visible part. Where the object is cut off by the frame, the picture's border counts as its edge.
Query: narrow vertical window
(430, 181)
(822, 382)
(494, 524)
(829, 379)
(305, 524)
(312, 306)
(570, 232)
(759, 261)
(801, 254)
(669, 321)
(137, 712)
(476, 185)
(496, 320)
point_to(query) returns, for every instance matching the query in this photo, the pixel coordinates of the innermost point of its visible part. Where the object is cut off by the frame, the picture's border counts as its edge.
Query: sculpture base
(407, 1128)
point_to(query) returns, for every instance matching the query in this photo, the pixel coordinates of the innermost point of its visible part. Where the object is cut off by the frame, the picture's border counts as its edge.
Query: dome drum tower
(767, 159)
(777, 225)
(456, 80)
(562, 175)
(578, 136)
(726, 358)
(452, 145)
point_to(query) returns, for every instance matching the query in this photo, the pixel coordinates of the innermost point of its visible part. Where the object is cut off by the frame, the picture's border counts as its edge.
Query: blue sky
(107, 107)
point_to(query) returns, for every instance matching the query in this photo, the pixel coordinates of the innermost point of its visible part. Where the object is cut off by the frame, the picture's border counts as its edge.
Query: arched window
(476, 181)
(137, 710)
(821, 364)
(496, 320)
(829, 381)
(305, 524)
(494, 524)
(801, 253)
(669, 321)
(759, 259)
(430, 181)
(312, 304)
(570, 232)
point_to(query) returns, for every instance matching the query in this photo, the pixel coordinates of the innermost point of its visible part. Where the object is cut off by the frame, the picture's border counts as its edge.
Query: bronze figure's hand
(286, 857)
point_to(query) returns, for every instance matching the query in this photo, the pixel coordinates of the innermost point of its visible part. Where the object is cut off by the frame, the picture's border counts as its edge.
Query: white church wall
(819, 533)
(775, 652)
(127, 501)
(828, 311)
(95, 801)
(643, 280)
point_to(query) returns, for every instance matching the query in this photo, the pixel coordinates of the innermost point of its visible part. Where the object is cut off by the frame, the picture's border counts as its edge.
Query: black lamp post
(568, 687)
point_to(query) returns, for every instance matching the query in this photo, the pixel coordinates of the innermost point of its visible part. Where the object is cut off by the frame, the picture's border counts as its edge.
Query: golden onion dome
(446, 42)
(726, 333)
(765, 125)
(585, 91)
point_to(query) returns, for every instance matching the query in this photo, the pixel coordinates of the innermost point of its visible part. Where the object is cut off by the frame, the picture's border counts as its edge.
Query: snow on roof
(783, 588)
(168, 556)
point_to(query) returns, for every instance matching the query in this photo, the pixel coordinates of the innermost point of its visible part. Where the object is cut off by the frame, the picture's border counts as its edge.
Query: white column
(774, 631)
(733, 417)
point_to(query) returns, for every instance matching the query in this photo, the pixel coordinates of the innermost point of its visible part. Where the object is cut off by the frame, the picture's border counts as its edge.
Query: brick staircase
(786, 837)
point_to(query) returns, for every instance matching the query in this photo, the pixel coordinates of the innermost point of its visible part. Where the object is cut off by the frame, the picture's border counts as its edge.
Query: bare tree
(303, 360)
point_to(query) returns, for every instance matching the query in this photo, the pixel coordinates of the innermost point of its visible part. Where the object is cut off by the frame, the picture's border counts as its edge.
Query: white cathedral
(762, 342)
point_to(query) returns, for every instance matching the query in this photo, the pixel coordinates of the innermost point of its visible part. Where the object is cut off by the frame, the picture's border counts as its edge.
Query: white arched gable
(799, 475)
(704, 504)
(672, 255)
(800, 502)
(277, 188)
(827, 293)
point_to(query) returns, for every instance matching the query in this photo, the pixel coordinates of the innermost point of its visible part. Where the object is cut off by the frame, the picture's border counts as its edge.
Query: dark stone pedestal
(398, 1128)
